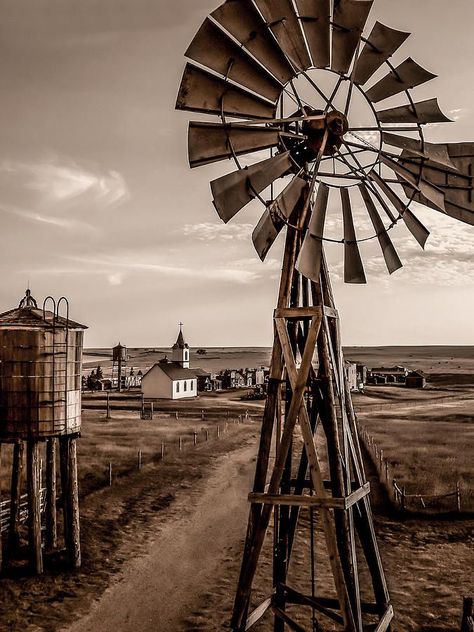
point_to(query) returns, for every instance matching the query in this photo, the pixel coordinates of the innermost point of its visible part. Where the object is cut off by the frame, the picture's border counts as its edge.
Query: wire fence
(458, 499)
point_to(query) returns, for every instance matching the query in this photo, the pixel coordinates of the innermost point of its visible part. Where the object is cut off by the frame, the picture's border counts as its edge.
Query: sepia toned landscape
(149, 518)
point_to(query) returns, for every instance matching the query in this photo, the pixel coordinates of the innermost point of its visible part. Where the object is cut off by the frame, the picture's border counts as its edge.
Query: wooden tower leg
(1, 539)
(64, 467)
(13, 538)
(51, 494)
(34, 506)
(74, 535)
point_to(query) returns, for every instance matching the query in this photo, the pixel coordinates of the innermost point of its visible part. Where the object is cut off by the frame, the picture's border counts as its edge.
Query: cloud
(50, 220)
(57, 183)
(209, 231)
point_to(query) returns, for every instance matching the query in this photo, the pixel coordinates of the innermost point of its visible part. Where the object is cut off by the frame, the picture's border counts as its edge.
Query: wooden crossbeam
(296, 500)
(288, 620)
(258, 613)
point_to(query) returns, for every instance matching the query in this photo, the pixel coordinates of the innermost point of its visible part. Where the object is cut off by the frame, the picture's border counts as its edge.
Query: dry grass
(429, 447)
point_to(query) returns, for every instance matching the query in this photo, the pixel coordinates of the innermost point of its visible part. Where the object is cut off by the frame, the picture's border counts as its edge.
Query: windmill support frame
(310, 395)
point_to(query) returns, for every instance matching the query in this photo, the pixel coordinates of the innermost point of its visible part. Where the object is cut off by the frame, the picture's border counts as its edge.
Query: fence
(180, 444)
(451, 501)
(382, 407)
(5, 515)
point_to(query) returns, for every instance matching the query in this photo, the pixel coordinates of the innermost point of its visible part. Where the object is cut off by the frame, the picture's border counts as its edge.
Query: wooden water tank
(40, 374)
(119, 353)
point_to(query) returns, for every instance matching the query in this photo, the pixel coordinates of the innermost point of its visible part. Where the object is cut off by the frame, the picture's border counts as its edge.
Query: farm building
(171, 379)
(350, 370)
(388, 375)
(415, 379)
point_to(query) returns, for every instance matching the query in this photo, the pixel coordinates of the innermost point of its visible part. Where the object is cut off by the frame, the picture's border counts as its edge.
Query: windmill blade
(201, 91)
(241, 19)
(315, 16)
(311, 253)
(392, 260)
(212, 142)
(353, 266)
(349, 20)
(380, 46)
(416, 228)
(431, 151)
(284, 24)
(456, 184)
(212, 48)
(410, 175)
(274, 218)
(407, 75)
(234, 190)
(423, 112)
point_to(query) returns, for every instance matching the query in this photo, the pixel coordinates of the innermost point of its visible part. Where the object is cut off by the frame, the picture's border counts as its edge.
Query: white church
(171, 379)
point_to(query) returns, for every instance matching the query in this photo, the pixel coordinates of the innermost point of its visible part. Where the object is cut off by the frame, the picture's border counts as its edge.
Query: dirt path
(159, 591)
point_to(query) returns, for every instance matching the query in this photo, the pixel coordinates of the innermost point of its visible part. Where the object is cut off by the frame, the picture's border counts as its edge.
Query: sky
(97, 201)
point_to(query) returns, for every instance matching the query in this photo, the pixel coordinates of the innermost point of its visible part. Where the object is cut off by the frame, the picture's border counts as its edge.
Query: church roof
(180, 343)
(174, 371)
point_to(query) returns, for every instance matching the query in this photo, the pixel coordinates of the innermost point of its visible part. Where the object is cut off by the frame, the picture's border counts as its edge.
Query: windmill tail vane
(314, 104)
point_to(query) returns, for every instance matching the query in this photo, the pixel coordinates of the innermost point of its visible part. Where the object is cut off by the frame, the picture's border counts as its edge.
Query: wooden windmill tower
(299, 80)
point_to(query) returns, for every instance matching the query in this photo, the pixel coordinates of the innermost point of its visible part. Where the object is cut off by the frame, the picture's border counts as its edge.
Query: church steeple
(180, 351)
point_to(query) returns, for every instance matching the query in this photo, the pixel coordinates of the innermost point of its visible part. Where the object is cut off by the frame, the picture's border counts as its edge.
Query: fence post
(176, 415)
(180, 444)
(218, 432)
(386, 471)
(225, 427)
(139, 459)
(403, 498)
(195, 437)
(162, 451)
(467, 615)
(207, 435)
(458, 497)
(110, 473)
(107, 416)
(202, 415)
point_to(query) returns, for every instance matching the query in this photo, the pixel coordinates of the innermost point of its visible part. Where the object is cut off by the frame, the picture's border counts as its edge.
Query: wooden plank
(34, 506)
(330, 312)
(295, 597)
(292, 500)
(15, 501)
(356, 496)
(288, 620)
(384, 623)
(64, 468)
(298, 313)
(258, 613)
(74, 540)
(51, 493)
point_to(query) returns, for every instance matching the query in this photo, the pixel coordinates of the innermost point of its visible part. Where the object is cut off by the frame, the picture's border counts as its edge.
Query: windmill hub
(335, 123)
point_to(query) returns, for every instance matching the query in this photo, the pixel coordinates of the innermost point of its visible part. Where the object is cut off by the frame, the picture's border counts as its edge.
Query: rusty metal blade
(284, 24)
(310, 257)
(407, 75)
(315, 16)
(409, 173)
(349, 20)
(234, 190)
(457, 184)
(212, 48)
(433, 152)
(201, 91)
(416, 228)
(423, 113)
(241, 19)
(380, 46)
(353, 266)
(211, 142)
(392, 260)
(276, 215)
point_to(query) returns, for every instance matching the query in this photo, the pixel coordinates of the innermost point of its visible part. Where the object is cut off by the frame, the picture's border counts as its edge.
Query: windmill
(316, 117)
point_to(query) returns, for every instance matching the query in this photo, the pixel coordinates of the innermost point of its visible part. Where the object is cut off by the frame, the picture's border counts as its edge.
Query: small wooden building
(415, 379)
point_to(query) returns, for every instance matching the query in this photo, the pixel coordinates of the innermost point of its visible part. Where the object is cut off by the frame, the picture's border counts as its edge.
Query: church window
(177, 387)
(185, 385)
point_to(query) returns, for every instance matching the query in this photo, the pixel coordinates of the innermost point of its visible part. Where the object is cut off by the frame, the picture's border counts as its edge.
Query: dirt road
(159, 591)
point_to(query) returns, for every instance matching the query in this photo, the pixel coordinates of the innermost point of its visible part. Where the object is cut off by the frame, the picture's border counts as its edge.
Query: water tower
(40, 407)
(119, 360)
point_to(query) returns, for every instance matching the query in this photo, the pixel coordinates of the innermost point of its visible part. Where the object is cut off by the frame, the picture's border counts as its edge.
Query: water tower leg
(16, 483)
(64, 466)
(74, 539)
(34, 506)
(1, 543)
(51, 493)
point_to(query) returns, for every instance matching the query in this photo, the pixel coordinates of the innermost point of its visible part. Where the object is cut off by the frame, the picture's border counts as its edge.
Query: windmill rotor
(261, 61)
